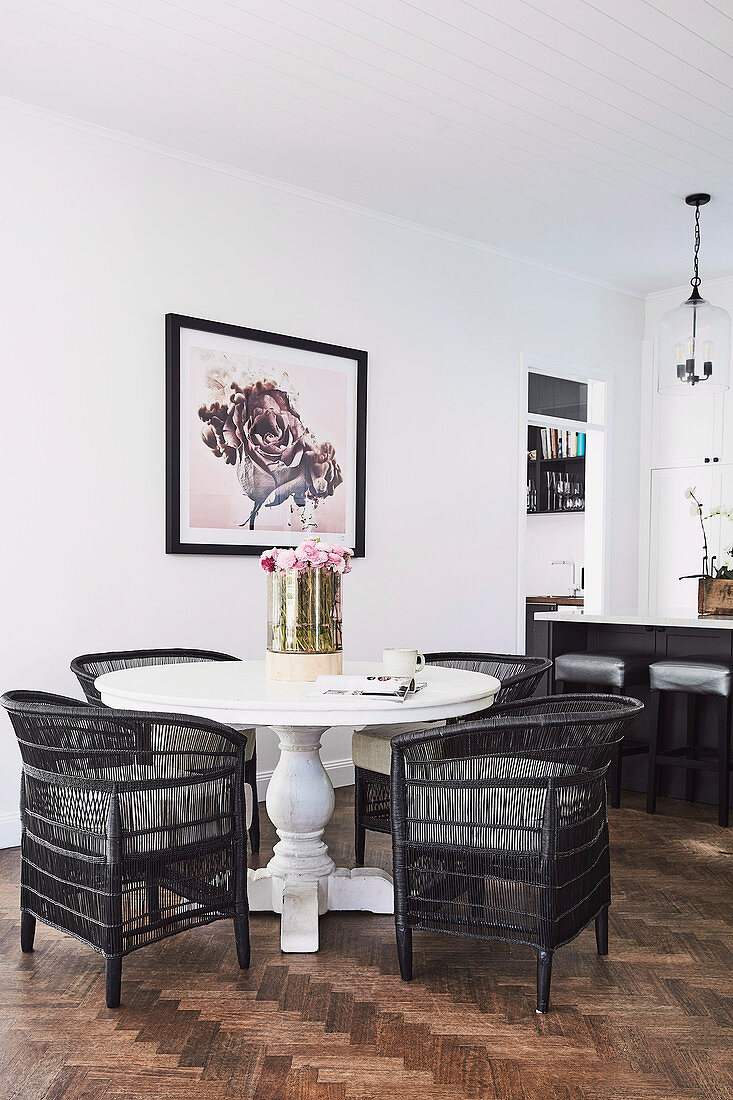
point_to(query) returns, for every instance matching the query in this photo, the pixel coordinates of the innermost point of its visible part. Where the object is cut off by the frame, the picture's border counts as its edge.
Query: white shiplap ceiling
(567, 131)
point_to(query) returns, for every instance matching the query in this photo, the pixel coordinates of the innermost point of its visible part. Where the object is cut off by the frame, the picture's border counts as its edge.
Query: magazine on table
(377, 687)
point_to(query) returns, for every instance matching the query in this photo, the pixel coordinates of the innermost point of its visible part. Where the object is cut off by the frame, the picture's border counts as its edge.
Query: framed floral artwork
(265, 441)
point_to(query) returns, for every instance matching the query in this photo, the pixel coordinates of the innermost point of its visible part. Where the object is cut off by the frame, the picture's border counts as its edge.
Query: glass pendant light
(694, 338)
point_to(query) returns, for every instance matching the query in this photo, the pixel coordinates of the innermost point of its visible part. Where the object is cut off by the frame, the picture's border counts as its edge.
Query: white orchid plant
(709, 569)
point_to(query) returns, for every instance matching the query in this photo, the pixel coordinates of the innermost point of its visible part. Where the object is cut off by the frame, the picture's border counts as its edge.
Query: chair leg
(27, 931)
(152, 899)
(602, 931)
(250, 776)
(404, 952)
(691, 773)
(114, 981)
(651, 775)
(724, 720)
(241, 938)
(359, 806)
(544, 974)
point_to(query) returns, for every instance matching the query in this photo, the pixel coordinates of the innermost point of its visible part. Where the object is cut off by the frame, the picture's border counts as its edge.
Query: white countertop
(238, 693)
(575, 615)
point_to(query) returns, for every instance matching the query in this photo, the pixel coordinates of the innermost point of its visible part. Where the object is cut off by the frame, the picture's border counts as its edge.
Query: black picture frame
(174, 324)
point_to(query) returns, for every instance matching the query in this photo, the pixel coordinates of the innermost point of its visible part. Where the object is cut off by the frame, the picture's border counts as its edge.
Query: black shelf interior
(540, 490)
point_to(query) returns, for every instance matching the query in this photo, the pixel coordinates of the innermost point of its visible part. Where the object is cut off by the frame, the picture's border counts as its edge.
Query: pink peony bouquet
(311, 554)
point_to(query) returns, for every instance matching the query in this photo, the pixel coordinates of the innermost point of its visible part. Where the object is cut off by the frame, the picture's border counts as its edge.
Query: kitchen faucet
(575, 589)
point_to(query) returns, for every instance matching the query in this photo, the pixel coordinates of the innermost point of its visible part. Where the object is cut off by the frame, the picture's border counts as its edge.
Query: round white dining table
(301, 880)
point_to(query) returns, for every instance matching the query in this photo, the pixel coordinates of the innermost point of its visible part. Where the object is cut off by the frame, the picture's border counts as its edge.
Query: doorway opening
(562, 536)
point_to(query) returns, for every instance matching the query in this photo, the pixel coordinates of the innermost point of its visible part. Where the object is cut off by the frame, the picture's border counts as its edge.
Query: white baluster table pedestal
(301, 880)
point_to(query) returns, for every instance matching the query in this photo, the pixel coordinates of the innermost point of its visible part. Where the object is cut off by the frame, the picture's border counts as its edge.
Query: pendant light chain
(695, 281)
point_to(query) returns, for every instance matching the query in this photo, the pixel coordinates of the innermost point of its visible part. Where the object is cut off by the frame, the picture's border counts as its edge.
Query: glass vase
(304, 611)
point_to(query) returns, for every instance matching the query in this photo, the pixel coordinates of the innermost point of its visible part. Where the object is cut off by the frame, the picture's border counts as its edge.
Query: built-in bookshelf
(555, 471)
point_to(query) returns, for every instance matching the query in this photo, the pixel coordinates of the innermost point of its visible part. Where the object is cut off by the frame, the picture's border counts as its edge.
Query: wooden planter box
(714, 597)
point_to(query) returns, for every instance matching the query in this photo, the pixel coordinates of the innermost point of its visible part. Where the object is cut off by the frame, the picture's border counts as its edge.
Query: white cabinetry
(686, 430)
(691, 445)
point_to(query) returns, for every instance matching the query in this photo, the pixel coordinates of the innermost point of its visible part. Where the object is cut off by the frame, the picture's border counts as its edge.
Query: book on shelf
(377, 687)
(560, 443)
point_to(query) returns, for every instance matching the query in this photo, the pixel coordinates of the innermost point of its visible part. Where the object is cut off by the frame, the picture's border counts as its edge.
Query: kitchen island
(572, 630)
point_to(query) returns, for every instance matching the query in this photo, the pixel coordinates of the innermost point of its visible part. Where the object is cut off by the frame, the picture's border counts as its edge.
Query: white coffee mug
(402, 662)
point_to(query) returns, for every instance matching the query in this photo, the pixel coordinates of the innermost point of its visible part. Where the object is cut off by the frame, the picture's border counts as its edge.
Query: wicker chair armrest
(531, 674)
(155, 718)
(577, 706)
(88, 666)
(68, 702)
(514, 727)
(519, 673)
(428, 747)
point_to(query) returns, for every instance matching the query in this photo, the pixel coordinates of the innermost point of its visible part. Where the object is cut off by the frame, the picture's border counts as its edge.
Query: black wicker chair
(123, 845)
(519, 677)
(90, 665)
(499, 827)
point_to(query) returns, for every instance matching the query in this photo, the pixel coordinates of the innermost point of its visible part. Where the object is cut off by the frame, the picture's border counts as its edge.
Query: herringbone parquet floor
(652, 1021)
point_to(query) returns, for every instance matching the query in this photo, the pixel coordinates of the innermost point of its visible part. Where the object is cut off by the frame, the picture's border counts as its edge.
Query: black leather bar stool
(615, 672)
(693, 677)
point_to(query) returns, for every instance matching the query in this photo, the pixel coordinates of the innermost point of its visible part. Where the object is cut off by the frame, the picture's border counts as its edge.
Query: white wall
(553, 538)
(101, 239)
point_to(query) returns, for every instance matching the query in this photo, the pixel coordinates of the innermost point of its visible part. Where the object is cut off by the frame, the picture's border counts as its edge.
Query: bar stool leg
(614, 779)
(691, 774)
(651, 775)
(615, 769)
(724, 721)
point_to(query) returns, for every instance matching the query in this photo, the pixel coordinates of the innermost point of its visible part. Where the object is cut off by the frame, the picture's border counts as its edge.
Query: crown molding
(684, 288)
(121, 137)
